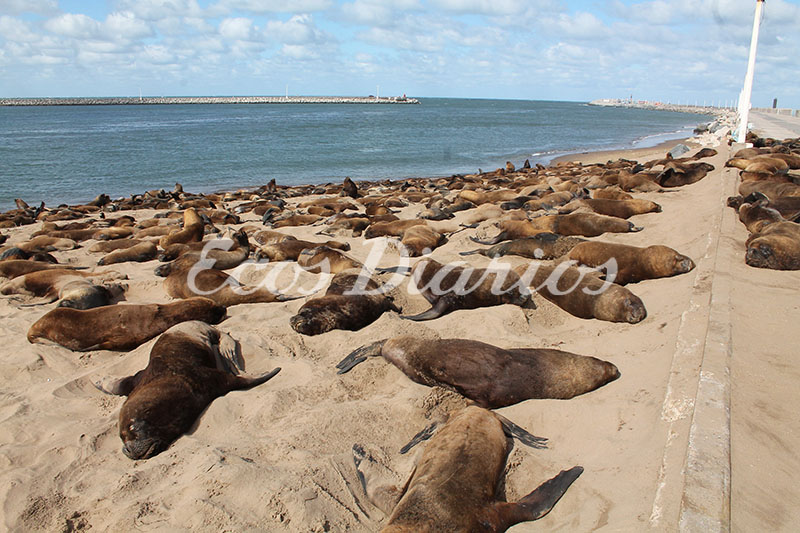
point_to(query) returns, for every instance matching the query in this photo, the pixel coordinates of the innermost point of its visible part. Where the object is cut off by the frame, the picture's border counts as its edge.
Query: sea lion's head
(761, 255)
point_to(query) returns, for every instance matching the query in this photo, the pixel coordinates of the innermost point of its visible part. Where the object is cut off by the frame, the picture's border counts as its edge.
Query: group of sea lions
(768, 203)
(546, 215)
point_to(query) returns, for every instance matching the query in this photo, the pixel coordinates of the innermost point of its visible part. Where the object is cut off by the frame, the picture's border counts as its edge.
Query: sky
(680, 51)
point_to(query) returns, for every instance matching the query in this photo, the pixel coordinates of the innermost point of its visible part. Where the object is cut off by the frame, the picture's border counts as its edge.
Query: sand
(278, 457)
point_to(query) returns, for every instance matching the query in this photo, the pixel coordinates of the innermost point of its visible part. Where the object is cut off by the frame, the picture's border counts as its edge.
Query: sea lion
(14, 268)
(191, 364)
(113, 245)
(15, 254)
(489, 197)
(421, 239)
(119, 327)
(223, 289)
(540, 246)
(632, 263)
(610, 193)
(349, 188)
(454, 486)
(777, 247)
(271, 237)
(613, 208)
(586, 295)
(787, 206)
(296, 220)
(394, 228)
(220, 254)
(677, 175)
(757, 215)
(48, 283)
(144, 251)
(490, 376)
(192, 231)
(450, 287)
(80, 293)
(772, 190)
(582, 224)
(345, 305)
(290, 250)
(44, 243)
(324, 259)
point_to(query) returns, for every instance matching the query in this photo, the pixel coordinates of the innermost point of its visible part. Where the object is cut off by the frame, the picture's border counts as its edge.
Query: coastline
(194, 100)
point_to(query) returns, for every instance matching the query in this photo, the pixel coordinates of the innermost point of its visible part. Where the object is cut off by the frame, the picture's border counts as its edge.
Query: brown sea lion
(290, 250)
(610, 193)
(349, 188)
(639, 182)
(454, 485)
(44, 243)
(540, 246)
(489, 197)
(139, 253)
(324, 259)
(220, 254)
(586, 295)
(271, 237)
(113, 245)
(296, 220)
(677, 175)
(421, 239)
(772, 190)
(776, 247)
(787, 206)
(81, 293)
(110, 234)
(350, 303)
(191, 364)
(19, 267)
(583, 224)
(121, 326)
(49, 283)
(613, 208)
(451, 287)
(490, 376)
(394, 228)
(756, 215)
(218, 286)
(192, 231)
(632, 263)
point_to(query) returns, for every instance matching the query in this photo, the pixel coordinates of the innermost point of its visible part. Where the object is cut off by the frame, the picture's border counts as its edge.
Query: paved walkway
(775, 126)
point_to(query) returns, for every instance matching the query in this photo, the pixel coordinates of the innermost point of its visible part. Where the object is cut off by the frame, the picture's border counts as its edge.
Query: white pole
(744, 102)
(287, 91)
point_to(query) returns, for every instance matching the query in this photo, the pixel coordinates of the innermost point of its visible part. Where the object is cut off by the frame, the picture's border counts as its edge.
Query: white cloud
(376, 12)
(16, 30)
(17, 7)
(74, 25)
(237, 29)
(299, 29)
(270, 6)
(483, 7)
(160, 9)
(125, 25)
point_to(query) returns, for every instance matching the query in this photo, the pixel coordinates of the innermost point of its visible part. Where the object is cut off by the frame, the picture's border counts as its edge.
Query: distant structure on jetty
(150, 100)
(660, 106)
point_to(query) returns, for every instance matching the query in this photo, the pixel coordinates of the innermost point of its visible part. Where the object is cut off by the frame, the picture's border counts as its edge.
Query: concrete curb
(706, 499)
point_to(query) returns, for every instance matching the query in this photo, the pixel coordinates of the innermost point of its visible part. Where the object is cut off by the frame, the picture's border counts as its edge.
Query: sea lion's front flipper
(515, 432)
(539, 502)
(471, 252)
(493, 240)
(394, 270)
(228, 355)
(382, 493)
(425, 434)
(359, 355)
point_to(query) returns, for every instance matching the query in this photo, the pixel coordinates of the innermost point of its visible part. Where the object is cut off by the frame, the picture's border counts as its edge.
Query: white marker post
(744, 101)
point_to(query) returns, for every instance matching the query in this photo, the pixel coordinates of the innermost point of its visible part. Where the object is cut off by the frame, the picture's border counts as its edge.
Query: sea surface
(71, 154)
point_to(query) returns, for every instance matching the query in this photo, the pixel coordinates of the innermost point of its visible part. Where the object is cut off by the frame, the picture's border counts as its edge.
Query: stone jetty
(161, 100)
(660, 106)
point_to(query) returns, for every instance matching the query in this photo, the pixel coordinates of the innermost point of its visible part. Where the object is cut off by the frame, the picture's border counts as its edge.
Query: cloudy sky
(670, 50)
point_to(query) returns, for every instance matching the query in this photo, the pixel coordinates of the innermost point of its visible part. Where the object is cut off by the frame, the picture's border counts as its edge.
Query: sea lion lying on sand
(777, 247)
(490, 376)
(632, 263)
(455, 483)
(191, 364)
(540, 246)
(342, 307)
(121, 326)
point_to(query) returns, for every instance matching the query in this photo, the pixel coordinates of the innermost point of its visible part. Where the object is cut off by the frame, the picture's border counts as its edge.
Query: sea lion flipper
(423, 435)
(359, 355)
(441, 307)
(394, 270)
(244, 382)
(118, 387)
(470, 252)
(372, 475)
(492, 241)
(515, 432)
(539, 502)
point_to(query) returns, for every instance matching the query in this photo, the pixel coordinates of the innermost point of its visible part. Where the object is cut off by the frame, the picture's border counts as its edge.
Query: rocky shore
(660, 106)
(151, 100)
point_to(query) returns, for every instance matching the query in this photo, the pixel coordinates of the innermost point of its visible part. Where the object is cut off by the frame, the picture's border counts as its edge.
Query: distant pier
(660, 106)
(166, 100)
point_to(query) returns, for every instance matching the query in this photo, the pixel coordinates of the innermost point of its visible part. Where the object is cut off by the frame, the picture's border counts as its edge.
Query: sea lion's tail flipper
(118, 387)
(423, 435)
(375, 481)
(471, 252)
(244, 382)
(441, 307)
(394, 270)
(493, 240)
(286, 298)
(359, 355)
(470, 226)
(515, 432)
(539, 502)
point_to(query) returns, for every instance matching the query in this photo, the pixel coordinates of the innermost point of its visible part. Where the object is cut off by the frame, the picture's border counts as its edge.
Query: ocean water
(71, 154)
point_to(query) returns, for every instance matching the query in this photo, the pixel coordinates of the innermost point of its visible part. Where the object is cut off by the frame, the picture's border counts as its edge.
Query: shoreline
(194, 100)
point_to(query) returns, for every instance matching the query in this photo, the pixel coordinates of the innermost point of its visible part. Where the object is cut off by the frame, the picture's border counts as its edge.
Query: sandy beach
(278, 457)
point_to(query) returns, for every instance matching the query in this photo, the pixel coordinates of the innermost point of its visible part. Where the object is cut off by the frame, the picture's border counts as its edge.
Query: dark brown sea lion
(776, 247)
(632, 263)
(583, 224)
(613, 208)
(586, 295)
(191, 364)
(490, 376)
(454, 486)
(756, 215)
(220, 254)
(19, 267)
(772, 190)
(677, 175)
(349, 188)
(139, 253)
(787, 206)
(49, 283)
(81, 293)
(540, 246)
(121, 326)
(192, 231)
(451, 287)
(350, 303)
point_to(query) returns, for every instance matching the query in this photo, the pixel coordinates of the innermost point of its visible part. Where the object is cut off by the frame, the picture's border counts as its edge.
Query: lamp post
(744, 101)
